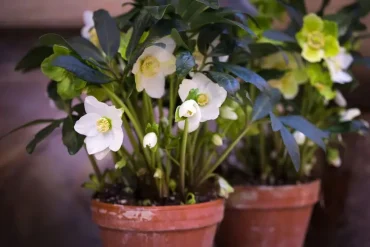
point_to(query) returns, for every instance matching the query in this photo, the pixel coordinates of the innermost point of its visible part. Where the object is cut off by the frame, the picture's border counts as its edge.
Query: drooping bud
(150, 140)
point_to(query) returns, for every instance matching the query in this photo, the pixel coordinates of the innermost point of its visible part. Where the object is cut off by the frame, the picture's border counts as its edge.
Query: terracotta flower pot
(259, 216)
(167, 226)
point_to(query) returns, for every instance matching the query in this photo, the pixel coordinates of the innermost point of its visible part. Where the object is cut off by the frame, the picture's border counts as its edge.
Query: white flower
(153, 66)
(102, 127)
(339, 99)
(299, 137)
(190, 109)
(228, 112)
(211, 95)
(88, 18)
(349, 114)
(199, 57)
(217, 140)
(225, 188)
(150, 140)
(338, 64)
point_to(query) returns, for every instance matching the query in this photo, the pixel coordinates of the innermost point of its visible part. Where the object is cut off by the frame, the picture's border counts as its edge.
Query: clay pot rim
(275, 187)
(161, 208)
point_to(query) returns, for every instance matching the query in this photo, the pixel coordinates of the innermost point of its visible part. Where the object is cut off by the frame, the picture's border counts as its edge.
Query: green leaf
(184, 63)
(159, 11)
(86, 49)
(120, 164)
(278, 36)
(70, 87)
(142, 22)
(206, 36)
(29, 124)
(229, 83)
(52, 39)
(330, 28)
(71, 139)
(81, 70)
(276, 124)
(291, 146)
(53, 95)
(125, 40)
(177, 116)
(41, 135)
(107, 31)
(246, 75)
(34, 58)
(262, 107)
(210, 3)
(178, 39)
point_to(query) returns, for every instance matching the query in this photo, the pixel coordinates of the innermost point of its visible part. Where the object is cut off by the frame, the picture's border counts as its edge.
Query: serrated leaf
(308, 129)
(86, 49)
(178, 39)
(71, 139)
(41, 135)
(34, 58)
(246, 75)
(229, 83)
(292, 147)
(262, 107)
(108, 32)
(184, 63)
(81, 70)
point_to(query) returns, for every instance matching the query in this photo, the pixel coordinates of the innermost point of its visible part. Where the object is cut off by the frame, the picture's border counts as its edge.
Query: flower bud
(225, 188)
(217, 140)
(299, 137)
(350, 114)
(158, 173)
(187, 109)
(339, 99)
(150, 140)
(227, 112)
(333, 157)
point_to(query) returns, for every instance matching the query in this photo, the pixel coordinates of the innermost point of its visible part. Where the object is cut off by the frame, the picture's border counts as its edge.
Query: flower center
(316, 40)
(103, 124)
(150, 66)
(202, 99)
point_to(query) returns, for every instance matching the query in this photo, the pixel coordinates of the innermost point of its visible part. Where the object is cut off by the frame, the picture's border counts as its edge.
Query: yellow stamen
(202, 99)
(103, 125)
(150, 66)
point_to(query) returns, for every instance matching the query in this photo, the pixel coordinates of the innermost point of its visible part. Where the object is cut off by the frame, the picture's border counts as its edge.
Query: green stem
(262, 150)
(183, 158)
(172, 102)
(94, 165)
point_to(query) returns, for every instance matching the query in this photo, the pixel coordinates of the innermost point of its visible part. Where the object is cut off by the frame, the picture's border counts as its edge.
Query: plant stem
(94, 165)
(183, 158)
(172, 102)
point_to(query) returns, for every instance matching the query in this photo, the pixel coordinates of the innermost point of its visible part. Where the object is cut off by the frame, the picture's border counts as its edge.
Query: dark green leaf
(52, 39)
(292, 147)
(271, 74)
(246, 75)
(53, 94)
(206, 36)
(295, 15)
(79, 109)
(354, 126)
(107, 31)
(124, 20)
(184, 63)
(278, 35)
(158, 11)
(81, 70)
(229, 83)
(262, 107)
(29, 124)
(226, 47)
(34, 58)
(324, 4)
(308, 129)
(41, 135)
(71, 139)
(86, 49)
(275, 122)
(142, 22)
(178, 39)
(210, 3)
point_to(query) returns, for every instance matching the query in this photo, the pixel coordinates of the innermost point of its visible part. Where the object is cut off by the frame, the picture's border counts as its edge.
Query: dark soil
(117, 194)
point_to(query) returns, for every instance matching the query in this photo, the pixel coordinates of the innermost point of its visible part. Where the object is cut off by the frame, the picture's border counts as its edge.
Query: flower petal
(350, 114)
(312, 23)
(217, 93)
(169, 67)
(101, 155)
(209, 112)
(193, 122)
(98, 143)
(154, 86)
(88, 23)
(86, 125)
(341, 77)
(92, 105)
(289, 87)
(202, 81)
(312, 55)
(185, 87)
(331, 47)
(340, 100)
(117, 140)
(169, 42)
(344, 58)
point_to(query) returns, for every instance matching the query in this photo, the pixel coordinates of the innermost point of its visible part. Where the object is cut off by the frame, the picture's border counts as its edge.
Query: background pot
(259, 216)
(168, 226)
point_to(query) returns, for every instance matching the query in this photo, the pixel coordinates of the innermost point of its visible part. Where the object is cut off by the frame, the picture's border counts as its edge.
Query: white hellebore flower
(338, 64)
(190, 109)
(339, 99)
(211, 95)
(225, 188)
(228, 112)
(349, 114)
(102, 127)
(299, 137)
(88, 24)
(150, 140)
(153, 66)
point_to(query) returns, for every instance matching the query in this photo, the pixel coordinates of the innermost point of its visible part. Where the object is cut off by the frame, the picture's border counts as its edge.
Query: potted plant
(308, 63)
